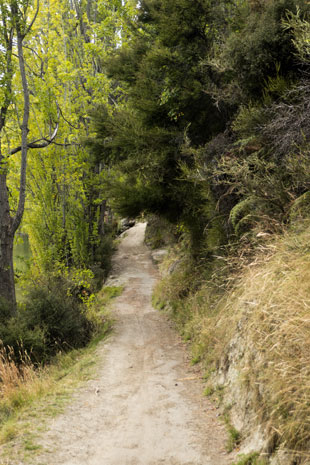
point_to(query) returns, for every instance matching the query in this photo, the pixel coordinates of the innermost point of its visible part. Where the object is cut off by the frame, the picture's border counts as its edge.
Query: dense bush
(159, 232)
(5, 310)
(256, 44)
(51, 319)
(59, 314)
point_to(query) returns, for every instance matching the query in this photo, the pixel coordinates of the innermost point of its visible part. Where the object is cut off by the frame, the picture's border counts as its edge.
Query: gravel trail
(145, 406)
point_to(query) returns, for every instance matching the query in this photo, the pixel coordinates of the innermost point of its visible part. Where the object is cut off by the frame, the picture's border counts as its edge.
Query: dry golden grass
(20, 385)
(28, 397)
(13, 376)
(267, 306)
(275, 297)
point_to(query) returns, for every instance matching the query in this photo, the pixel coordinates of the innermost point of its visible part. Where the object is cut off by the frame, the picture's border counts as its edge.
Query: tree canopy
(200, 82)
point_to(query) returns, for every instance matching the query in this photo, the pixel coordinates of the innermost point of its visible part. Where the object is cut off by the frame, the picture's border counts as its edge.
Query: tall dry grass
(19, 383)
(266, 309)
(275, 297)
(11, 374)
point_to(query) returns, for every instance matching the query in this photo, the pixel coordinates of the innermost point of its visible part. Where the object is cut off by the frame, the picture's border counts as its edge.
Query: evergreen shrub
(257, 43)
(59, 314)
(5, 310)
(51, 319)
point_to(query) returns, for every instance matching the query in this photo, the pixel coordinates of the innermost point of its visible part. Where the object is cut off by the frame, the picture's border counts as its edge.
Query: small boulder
(125, 224)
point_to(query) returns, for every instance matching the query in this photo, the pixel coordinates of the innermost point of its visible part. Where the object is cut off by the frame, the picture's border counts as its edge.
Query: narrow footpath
(145, 406)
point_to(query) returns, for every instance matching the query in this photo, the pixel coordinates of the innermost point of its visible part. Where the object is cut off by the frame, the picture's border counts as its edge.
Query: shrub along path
(145, 406)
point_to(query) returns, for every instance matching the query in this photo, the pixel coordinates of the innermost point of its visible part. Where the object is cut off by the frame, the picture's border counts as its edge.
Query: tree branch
(33, 19)
(39, 143)
(65, 119)
(24, 127)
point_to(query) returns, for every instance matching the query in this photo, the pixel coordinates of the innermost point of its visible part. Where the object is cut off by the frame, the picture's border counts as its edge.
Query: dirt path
(144, 408)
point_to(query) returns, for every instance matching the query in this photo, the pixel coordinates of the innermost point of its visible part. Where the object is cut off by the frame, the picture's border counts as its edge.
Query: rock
(125, 224)
(174, 266)
(158, 255)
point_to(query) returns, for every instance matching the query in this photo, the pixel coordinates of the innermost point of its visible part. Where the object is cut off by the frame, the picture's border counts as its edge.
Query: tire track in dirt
(144, 407)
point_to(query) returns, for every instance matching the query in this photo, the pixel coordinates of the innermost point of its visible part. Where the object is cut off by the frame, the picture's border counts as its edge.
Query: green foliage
(110, 292)
(234, 437)
(255, 44)
(300, 208)
(142, 139)
(297, 23)
(5, 310)
(159, 232)
(251, 459)
(103, 253)
(247, 213)
(20, 337)
(58, 315)
(66, 206)
(209, 391)
(247, 121)
(130, 195)
(51, 319)
(178, 103)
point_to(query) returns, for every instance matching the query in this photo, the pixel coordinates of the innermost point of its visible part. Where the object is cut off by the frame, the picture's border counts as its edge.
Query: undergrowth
(28, 392)
(251, 459)
(265, 309)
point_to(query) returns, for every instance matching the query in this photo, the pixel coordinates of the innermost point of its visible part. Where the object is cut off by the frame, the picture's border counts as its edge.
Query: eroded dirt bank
(145, 407)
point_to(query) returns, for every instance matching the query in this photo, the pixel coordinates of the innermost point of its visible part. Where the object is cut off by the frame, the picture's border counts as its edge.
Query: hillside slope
(251, 331)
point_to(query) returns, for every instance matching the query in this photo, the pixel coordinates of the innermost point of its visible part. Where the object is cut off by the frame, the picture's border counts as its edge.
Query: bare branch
(68, 122)
(24, 127)
(67, 144)
(39, 143)
(9, 73)
(33, 19)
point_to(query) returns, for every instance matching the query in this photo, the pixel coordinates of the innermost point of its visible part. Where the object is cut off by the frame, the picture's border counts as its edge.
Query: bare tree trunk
(101, 218)
(9, 225)
(7, 285)
(25, 130)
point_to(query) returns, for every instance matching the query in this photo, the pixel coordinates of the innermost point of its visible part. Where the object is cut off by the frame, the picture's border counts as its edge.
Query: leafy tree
(66, 204)
(15, 28)
(190, 74)
(165, 105)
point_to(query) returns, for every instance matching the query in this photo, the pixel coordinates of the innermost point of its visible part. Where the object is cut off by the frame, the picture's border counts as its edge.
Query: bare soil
(145, 406)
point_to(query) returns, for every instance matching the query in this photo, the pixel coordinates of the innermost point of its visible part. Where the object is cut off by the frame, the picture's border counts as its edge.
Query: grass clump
(250, 459)
(234, 436)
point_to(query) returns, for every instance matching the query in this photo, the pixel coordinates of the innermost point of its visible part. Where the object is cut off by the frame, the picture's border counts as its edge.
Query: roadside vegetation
(213, 137)
(254, 320)
(30, 393)
(195, 113)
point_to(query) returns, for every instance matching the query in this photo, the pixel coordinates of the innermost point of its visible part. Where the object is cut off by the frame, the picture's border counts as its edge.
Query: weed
(234, 437)
(209, 391)
(110, 292)
(250, 459)
(29, 445)
(196, 360)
